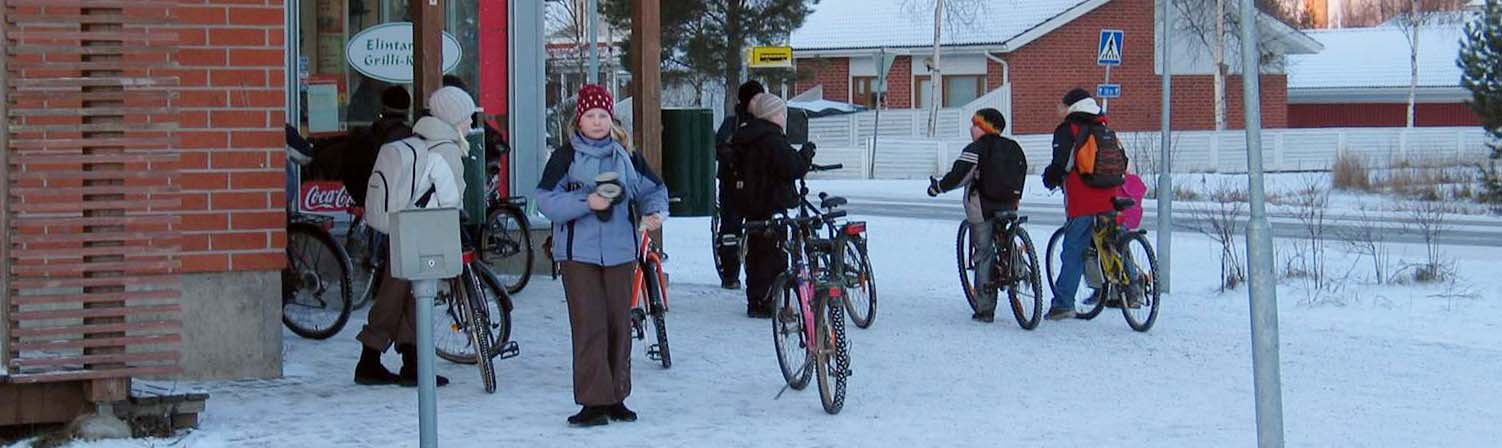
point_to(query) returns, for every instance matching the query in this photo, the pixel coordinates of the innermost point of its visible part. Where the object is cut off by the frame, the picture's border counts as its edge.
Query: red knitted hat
(594, 96)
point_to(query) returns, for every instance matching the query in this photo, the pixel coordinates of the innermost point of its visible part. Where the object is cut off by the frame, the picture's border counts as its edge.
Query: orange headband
(983, 124)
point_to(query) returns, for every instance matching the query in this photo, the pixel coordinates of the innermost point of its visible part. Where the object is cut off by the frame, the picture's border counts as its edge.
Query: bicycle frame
(648, 254)
(1112, 264)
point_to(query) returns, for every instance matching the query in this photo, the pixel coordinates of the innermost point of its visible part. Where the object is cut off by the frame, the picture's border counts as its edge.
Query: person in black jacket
(767, 165)
(730, 218)
(992, 169)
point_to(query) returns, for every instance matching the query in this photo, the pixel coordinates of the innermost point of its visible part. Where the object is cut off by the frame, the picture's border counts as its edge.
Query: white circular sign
(384, 52)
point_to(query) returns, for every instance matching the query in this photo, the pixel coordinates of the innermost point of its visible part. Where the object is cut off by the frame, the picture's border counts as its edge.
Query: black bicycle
(506, 237)
(860, 279)
(316, 292)
(1015, 267)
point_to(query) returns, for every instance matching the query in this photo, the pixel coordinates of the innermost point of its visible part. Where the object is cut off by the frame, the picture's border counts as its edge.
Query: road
(1467, 231)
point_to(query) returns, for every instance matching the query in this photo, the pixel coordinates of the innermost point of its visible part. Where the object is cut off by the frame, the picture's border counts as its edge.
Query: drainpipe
(1006, 78)
(1006, 69)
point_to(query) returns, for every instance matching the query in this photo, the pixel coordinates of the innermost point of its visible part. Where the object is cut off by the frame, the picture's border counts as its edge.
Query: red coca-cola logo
(325, 197)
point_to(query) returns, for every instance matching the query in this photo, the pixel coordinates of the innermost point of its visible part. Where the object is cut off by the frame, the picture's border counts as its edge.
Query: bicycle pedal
(511, 350)
(654, 352)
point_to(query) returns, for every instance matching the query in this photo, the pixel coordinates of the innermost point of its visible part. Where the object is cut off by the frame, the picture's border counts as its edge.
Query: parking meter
(425, 249)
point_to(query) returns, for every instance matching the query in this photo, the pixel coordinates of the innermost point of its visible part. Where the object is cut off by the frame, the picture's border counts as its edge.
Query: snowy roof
(1377, 57)
(853, 24)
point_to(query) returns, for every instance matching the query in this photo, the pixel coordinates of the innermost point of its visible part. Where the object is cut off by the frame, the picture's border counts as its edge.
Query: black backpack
(1099, 157)
(1003, 170)
(755, 190)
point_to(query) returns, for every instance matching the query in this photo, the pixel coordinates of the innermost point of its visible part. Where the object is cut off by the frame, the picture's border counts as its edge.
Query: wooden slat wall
(92, 268)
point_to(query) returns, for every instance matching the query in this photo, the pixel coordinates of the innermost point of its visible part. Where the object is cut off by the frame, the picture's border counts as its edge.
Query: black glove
(807, 153)
(1053, 176)
(933, 187)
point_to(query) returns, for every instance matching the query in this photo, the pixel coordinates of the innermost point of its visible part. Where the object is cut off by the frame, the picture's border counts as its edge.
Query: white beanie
(451, 104)
(766, 105)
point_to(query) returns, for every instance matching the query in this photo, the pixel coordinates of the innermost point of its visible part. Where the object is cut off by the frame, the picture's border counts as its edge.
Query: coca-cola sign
(324, 198)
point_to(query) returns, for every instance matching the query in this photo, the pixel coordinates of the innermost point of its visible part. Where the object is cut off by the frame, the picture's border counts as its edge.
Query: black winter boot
(621, 413)
(590, 416)
(370, 372)
(409, 367)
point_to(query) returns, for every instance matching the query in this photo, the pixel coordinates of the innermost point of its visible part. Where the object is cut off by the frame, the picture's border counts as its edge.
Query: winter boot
(621, 413)
(759, 310)
(590, 416)
(409, 367)
(370, 372)
(1060, 314)
(984, 316)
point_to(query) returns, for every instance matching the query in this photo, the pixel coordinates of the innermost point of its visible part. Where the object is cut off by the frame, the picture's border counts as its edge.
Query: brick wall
(832, 73)
(1379, 115)
(1043, 70)
(232, 111)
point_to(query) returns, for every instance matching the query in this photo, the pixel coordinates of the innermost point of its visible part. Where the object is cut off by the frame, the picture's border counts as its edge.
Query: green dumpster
(474, 178)
(688, 160)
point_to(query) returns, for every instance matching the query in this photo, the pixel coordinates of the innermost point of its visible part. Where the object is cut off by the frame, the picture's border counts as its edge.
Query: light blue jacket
(578, 234)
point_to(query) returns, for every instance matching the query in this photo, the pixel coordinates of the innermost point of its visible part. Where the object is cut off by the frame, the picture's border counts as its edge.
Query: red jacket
(1084, 200)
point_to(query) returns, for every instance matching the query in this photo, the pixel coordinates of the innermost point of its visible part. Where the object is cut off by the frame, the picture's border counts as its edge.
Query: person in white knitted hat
(439, 137)
(766, 166)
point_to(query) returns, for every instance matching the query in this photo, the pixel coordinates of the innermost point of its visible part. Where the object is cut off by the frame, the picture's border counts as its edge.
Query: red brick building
(1042, 48)
(1362, 77)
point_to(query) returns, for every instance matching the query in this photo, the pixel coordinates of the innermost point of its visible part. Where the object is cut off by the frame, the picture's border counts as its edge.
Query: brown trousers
(599, 314)
(393, 316)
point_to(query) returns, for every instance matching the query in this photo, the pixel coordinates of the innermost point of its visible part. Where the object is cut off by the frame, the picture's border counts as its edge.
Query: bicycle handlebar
(816, 167)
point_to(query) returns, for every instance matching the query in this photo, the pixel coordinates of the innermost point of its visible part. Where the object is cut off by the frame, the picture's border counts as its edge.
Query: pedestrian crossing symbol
(1110, 47)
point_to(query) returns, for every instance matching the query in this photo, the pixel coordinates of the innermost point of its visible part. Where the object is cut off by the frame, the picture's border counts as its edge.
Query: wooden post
(4, 202)
(427, 50)
(646, 105)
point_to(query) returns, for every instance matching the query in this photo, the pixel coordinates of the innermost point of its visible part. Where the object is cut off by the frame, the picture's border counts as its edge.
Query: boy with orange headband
(993, 169)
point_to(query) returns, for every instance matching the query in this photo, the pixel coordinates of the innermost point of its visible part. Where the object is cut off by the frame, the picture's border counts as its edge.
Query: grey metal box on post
(425, 244)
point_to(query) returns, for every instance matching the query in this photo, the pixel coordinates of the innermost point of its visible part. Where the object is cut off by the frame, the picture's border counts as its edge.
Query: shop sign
(771, 57)
(384, 52)
(324, 198)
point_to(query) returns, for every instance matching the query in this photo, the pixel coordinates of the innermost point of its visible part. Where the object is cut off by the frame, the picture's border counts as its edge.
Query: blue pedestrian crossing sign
(1108, 91)
(1110, 47)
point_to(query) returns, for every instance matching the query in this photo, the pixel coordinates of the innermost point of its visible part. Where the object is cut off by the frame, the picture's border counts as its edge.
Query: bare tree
(1367, 238)
(568, 21)
(1221, 221)
(1216, 24)
(1411, 17)
(1145, 158)
(948, 12)
(1430, 219)
(1311, 202)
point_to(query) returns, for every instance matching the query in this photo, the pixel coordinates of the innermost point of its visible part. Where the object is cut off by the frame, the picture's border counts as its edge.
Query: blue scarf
(592, 157)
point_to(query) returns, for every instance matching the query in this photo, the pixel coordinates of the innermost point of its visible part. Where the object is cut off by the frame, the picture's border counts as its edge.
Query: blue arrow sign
(1109, 52)
(1108, 91)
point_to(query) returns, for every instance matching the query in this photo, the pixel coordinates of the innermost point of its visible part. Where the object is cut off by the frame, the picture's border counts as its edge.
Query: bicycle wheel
(506, 244)
(315, 284)
(1054, 262)
(1025, 290)
(479, 328)
(451, 325)
(1141, 311)
(832, 360)
(860, 284)
(368, 266)
(964, 251)
(715, 244)
(656, 299)
(787, 332)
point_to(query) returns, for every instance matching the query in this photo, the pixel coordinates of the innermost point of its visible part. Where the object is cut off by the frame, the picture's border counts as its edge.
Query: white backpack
(397, 177)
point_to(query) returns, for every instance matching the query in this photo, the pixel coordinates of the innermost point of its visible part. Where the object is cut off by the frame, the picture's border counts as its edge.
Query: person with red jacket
(1081, 202)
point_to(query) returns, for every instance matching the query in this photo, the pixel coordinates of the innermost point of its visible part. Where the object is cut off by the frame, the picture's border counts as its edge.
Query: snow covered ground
(1367, 366)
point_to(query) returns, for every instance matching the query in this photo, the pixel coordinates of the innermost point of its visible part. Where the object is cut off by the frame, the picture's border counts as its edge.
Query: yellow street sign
(771, 57)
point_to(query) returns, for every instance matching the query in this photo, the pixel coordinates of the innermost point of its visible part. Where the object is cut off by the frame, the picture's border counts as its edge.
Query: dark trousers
(731, 224)
(599, 314)
(764, 261)
(393, 316)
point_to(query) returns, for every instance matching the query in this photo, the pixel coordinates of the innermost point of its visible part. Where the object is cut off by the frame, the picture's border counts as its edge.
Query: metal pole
(1263, 293)
(594, 42)
(1165, 163)
(427, 380)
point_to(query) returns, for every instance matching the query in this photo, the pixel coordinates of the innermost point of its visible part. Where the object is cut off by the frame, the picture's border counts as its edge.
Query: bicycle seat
(833, 201)
(1123, 203)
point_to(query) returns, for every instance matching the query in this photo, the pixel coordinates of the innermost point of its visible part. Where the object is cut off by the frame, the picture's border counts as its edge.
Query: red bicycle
(651, 283)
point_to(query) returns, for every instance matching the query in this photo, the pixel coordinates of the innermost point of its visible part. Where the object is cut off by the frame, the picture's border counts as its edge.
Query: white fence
(899, 154)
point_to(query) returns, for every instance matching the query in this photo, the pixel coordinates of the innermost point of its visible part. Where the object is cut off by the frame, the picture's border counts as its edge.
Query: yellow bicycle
(1120, 265)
